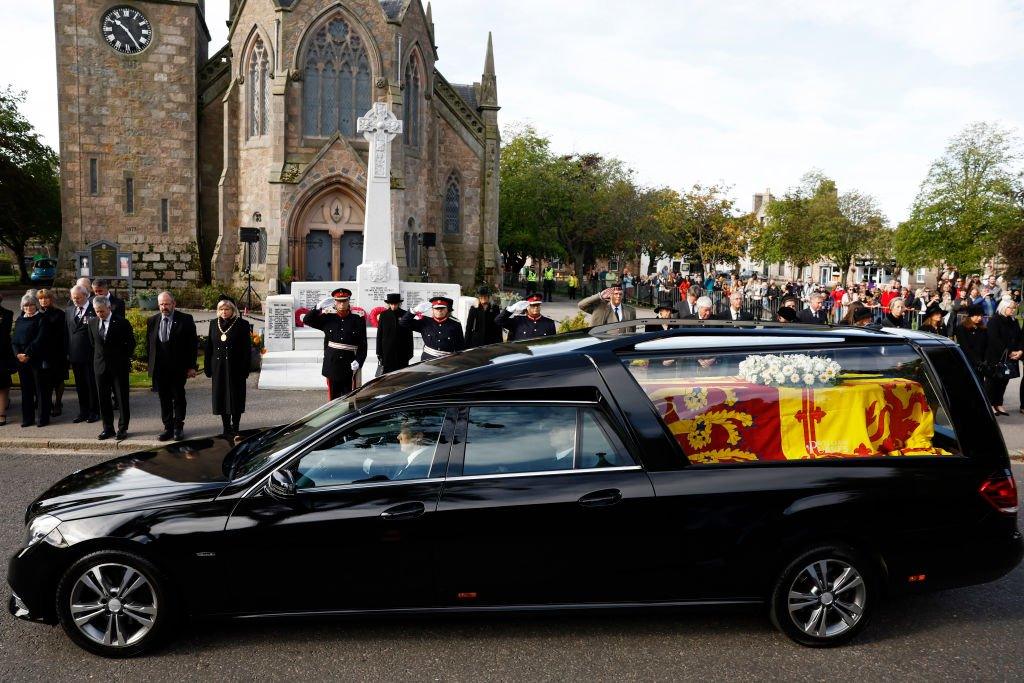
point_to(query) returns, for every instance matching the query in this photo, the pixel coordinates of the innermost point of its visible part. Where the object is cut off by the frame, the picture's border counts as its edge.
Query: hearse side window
(869, 402)
(394, 447)
(530, 438)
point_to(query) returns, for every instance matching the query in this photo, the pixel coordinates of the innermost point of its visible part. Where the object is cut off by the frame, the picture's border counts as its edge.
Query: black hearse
(811, 469)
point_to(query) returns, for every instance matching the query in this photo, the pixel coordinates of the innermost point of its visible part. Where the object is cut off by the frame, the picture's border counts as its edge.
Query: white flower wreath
(792, 370)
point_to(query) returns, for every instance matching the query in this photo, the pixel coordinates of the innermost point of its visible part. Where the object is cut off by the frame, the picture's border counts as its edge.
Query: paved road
(975, 633)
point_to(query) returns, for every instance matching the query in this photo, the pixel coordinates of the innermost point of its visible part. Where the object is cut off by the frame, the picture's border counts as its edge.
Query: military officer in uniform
(528, 326)
(394, 342)
(442, 334)
(344, 341)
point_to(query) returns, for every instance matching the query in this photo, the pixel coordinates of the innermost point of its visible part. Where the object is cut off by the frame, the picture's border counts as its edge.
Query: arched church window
(452, 206)
(411, 103)
(336, 81)
(258, 77)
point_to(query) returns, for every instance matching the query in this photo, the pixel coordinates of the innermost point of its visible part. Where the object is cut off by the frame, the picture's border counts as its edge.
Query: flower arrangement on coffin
(790, 370)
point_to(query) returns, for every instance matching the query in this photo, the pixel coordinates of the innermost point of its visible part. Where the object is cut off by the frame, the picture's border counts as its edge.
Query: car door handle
(404, 511)
(601, 498)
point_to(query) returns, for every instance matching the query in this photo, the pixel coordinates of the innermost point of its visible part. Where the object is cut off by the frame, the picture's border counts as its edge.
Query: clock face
(127, 30)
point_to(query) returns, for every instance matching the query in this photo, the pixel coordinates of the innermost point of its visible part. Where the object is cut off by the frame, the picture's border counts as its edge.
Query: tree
(29, 183)
(702, 223)
(854, 226)
(525, 210)
(967, 204)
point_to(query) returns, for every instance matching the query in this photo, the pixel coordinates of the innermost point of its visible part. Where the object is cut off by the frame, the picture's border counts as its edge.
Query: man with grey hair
(703, 308)
(172, 349)
(80, 353)
(813, 314)
(113, 342)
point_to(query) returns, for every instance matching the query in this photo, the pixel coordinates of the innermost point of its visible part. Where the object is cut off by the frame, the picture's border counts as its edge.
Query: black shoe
(122, 434)
(105, 434)
(56, 410)
(93, 418)
(178, 435)
(42, 424)
(164, 435)
(80, 418)
(28, 424)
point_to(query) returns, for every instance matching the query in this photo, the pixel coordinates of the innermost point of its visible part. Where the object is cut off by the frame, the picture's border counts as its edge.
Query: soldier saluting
(442, 334)
(529, 326)
(344, 341)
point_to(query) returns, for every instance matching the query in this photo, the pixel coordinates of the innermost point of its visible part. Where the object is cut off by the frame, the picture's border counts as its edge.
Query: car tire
(825, 596)
(114, 604)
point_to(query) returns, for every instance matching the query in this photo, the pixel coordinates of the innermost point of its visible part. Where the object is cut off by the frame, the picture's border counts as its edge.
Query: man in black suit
(80, 353)
(813, 314)
(481, 325)
(735, 310)
(394, 342)
(101, 287)
(113, 342)
(172, 348)
(688, 306)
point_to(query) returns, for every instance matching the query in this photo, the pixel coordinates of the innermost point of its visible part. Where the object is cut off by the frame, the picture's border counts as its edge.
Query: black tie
(103, 330)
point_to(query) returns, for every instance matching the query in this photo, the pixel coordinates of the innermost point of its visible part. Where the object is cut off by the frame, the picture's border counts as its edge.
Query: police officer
(394, 342)
(549, 283)
(529, 326)
(344, 341)
(442, 334)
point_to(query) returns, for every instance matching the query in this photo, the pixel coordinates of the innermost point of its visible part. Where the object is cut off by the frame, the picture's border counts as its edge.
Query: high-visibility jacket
(549, 274)
(531, 275)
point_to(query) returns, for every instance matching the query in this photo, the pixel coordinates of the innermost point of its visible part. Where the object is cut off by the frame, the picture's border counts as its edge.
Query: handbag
(1005, 368)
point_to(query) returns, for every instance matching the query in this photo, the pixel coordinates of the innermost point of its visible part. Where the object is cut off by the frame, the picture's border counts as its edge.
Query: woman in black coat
(972, 336)
(8, 363)
(29, 346)
(481, 326)
(1005, 343)
(56, 360)
(228, 353)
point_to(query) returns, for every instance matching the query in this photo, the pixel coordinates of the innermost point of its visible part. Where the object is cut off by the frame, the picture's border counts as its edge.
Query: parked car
(814, 470)
(43, 270)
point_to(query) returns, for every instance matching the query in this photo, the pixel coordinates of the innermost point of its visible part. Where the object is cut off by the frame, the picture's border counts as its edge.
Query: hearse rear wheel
(825, 597)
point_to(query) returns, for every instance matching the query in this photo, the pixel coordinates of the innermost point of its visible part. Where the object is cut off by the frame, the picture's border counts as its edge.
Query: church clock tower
(127, 78)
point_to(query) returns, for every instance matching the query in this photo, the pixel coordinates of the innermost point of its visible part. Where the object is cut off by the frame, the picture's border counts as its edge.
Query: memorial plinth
(294, 352)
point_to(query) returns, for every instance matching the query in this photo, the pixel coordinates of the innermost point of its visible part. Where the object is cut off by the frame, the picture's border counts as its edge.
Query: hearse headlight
(44, 527)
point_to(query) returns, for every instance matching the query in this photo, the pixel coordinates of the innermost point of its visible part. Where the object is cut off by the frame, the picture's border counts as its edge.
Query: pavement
(974, 633)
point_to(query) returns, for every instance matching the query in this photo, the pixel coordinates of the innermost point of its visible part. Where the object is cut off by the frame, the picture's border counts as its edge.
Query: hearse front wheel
(114, 604)
(825, 596)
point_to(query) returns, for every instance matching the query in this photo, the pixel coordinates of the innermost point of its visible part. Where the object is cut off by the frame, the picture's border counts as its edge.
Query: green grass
(136, 380)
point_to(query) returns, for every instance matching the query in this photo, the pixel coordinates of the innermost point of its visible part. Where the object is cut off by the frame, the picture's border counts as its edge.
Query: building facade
(167, 153)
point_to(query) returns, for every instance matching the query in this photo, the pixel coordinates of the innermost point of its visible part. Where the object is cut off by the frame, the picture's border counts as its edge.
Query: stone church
(167, 152)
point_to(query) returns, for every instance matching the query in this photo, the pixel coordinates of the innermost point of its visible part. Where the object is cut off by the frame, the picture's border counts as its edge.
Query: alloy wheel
(113, 605)
(826, 598)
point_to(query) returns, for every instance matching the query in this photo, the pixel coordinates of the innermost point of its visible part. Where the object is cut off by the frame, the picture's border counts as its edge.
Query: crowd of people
(92, 338)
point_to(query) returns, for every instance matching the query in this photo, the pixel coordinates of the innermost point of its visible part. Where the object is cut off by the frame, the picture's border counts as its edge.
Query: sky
(750, 94)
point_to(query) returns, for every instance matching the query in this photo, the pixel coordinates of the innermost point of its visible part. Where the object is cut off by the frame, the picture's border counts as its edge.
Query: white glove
(422, 308)
(518, 307)
(355, 365)
(326, 304)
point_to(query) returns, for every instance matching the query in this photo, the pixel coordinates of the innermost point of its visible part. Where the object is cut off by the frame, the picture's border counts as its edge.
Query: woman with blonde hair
(228, 352)
(56, 360)
(29, 347)
(1005, 348)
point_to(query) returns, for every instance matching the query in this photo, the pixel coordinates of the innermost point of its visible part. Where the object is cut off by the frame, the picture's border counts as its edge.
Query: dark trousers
(173, 404)
(36, 390)
(572, 294)
(549, 289)
(339, 386)
(230, 422)
(116, 382)
(85, 386)
(996, 388)
(391, 367)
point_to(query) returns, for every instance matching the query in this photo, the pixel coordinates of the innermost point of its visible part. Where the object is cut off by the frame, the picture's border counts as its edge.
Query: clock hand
(125, 29)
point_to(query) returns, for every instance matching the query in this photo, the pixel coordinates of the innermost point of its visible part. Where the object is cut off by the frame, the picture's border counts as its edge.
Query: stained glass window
(258, 77)
(411, 104)
(452, 206)
(336, 81)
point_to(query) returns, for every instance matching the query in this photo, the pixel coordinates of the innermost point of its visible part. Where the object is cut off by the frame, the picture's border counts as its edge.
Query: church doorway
(327, 237)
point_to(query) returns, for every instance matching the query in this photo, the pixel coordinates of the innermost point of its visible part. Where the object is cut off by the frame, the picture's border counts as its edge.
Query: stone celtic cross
(379, 126)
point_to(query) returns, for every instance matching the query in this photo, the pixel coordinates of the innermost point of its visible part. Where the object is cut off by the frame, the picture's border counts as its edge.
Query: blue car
(44, 270)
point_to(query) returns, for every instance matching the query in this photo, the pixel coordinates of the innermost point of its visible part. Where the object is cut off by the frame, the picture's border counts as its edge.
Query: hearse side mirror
(281, 484)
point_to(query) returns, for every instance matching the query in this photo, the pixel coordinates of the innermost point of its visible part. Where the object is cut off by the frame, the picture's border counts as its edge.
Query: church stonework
(263, 134)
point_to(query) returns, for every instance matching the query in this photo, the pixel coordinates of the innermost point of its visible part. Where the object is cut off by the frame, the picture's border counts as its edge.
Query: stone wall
(138, 116)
